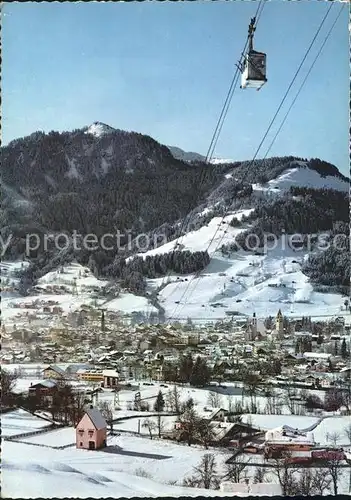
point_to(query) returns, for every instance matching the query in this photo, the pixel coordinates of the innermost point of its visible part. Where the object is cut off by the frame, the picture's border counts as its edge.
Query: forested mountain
(102, 180)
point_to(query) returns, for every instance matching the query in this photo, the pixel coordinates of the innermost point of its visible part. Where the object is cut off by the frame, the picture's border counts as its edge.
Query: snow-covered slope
(242, 282)
(304, 177)
(220, 161)
(213, 234)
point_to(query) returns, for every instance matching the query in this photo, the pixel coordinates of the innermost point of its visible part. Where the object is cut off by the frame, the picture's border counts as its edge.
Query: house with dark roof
(43, 390)
(54, 372)
(91, 430)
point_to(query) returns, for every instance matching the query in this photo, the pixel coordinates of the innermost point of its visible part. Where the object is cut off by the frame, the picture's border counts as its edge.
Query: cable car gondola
(253, 68)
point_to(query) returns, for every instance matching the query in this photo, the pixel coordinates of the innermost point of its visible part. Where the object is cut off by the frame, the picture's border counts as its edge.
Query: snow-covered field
(55, 438)
(129, 466)
(128, 303)
(33, 471)
(266, 422)
(333, 426)
(35, 467)
(248, 283)
(20, 422)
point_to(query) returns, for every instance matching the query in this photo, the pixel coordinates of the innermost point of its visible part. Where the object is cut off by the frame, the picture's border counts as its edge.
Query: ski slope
(248, 283)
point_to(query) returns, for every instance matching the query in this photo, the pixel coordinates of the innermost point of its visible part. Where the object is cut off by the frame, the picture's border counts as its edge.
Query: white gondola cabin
(253, 67)
(254, 72)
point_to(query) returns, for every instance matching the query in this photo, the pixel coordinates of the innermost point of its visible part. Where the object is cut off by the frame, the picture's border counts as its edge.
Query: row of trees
(64, 405)
(292, 481)
(196, 373)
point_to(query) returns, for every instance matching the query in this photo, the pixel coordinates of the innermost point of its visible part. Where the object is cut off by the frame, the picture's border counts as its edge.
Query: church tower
(254, 326)
(251, 332)
(279, 323)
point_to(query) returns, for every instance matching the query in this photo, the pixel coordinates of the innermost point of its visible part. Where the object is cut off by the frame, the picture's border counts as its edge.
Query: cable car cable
(231, 89)
(196, 275)
(227, 101)
(214, 139)
(304, 81)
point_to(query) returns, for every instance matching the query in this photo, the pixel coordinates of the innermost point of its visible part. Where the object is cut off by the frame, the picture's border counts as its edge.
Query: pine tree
(186, 368)
(200, 375)
(159, 403)
(102, 321)
(343, 349)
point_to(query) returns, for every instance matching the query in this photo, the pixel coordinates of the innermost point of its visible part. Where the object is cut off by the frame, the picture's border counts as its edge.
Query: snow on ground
(67, 482)
(32, 471)
(132, 425)
(220, 161)
(128, 303)
(30, 369)
(10, 278)
(67, 302)
(71, 275)
(200, 239)
(248, 283)
(331, 426)
(302, 176)
(55, 438)
(20, 421)
(23, 384)
(266, 422)
(99, 129)
(226, 397)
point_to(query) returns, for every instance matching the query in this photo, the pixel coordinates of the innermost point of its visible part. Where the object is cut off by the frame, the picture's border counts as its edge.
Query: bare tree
(286, 476)
(235, 471)
(321, 482)
(334, 472)
(347, 432)
(205, 474)
(251, 383)
(77, 407)
(189, 423)
(106, 411)
(260, 475)
(214, 400)
(333, 437)
(8, 382)
(204, 432)
(150, 426)
(305, 484)
(173, 400)
(230, 403)
(271, 401)
(160, 424)
(289, 400)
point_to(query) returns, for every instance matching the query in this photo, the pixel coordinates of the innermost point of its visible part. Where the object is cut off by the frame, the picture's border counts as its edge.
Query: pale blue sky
(164, 69)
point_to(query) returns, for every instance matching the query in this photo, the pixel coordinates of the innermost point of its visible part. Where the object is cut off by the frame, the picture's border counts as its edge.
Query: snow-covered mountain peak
(99, 129)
